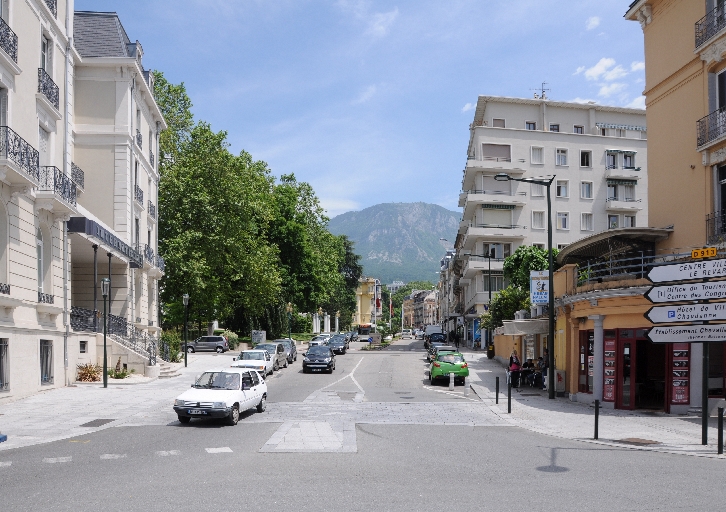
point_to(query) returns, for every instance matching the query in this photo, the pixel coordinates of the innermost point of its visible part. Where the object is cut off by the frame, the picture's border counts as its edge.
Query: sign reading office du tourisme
(539, 287)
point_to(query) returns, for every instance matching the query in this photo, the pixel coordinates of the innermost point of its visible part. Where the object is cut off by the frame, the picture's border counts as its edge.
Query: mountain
(400, 241)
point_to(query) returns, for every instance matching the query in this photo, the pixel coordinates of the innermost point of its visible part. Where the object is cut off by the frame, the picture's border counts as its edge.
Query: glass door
(627, 376)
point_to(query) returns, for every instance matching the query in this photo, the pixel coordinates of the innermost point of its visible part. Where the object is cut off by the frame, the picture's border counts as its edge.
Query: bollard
(597, 416)
(497, 398)
(451, 381)
(509, 397)
(720, 430)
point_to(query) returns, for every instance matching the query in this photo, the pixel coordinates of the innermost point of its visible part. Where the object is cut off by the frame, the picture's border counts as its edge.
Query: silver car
(277, 352)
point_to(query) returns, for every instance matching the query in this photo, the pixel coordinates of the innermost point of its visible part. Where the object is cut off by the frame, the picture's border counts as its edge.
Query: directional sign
(712, 290)
(686, 313)
(691, 270)
(688, 334)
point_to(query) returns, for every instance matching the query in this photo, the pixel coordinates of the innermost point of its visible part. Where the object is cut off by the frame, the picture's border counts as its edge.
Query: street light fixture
(547, 182)
(185, 299)
(289, 319)
(105, 285)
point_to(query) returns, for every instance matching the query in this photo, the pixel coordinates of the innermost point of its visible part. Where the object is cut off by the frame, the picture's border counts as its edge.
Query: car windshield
(451, 358)
(270, 348)
(286, 344)
(337, 342)
(218, 380)
(253, 355)
(319, 351)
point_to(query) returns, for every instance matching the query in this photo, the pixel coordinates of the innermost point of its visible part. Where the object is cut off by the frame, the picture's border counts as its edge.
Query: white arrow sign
(691, 270)
(686, 313)
(688, 334)
(712, 290)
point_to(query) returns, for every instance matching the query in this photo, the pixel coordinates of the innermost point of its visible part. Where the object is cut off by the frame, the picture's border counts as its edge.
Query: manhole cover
(637, 441)
(97, 423)
(530, 394)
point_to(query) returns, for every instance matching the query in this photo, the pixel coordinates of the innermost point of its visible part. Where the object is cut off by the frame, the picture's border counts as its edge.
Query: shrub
(120, 374)
(232, 338)
(89, 372)
(172, 341)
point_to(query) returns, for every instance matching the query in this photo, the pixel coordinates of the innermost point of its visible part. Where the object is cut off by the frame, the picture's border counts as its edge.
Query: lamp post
(337, 321)
(289, 319)
(547, 182)
(105, 285)
(489, 305)
(185, 299)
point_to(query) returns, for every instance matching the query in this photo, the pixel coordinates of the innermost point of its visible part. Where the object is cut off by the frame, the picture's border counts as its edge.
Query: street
(373, 435)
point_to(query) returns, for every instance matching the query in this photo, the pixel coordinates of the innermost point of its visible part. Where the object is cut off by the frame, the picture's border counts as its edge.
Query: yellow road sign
(706, 252)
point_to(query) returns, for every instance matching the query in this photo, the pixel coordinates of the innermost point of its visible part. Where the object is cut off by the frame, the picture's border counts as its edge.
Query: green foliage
(232, 339)
(120, 373)
(172, 339)
(504, 304)
(526, 258)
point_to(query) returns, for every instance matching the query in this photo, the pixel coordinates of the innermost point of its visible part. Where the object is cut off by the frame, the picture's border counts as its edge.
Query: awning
(612, 181)
(498, 206)
(103, 236)
(625, 151)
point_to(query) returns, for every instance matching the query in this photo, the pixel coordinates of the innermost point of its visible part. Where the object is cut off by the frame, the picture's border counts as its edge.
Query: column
(316, 324)
(598, 361)
(327, 322)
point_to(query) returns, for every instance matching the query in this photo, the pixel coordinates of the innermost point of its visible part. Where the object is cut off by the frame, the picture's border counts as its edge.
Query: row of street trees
(239, 242)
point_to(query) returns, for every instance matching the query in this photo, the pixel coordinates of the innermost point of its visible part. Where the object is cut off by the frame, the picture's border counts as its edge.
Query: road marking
(456, 394)
(112, 456)
(167, 454)
(54, 460)
(224, 449)
(6, 464)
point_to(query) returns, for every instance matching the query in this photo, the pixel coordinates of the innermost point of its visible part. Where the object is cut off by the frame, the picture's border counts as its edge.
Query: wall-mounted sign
(712, 290)
(688, 334)
(706, 252)
(691, 270)
(686, 313)
(539, 286)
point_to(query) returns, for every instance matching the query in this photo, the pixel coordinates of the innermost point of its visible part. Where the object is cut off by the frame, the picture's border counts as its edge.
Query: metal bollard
(497, 392)
(451, 381)
(720, 430)
(597, 417)
(509, 397)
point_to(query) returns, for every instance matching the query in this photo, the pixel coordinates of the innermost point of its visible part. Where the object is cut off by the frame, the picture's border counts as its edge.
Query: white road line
(224, 449)
(349, 375)
(54, 460)
(455, 394)
(112, 456)
(167, 454)
(5, 464)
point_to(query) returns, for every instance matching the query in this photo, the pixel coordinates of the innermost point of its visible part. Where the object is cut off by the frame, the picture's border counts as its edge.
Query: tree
(503, 306)
(176, 106)
(525, 259)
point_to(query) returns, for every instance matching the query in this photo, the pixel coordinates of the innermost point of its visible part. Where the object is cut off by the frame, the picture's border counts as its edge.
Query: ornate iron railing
(53, 180)
(52, 5)
(710, 25)
(151, 209)
(8, 40)
(635, 267)
(84, 320)
(45, 298)
(711, 127)
(5, 289)
(716, 227)
(47, 87)
(139, 140)
(149, 254)
(151, 158)
(160, 263)
(139, 194)
(78, 176)
(14, 148)
(501, 226)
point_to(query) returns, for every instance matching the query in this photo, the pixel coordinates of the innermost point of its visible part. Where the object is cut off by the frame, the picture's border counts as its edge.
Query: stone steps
(166, 370)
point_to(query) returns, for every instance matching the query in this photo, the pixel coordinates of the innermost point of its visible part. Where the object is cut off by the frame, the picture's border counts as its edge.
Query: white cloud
(599, 69)
(579, 70)
(366, 95)
(468, 107)
(337, 205)
(380, 22)
(638, 102)
(607, 90)
(637, 66)
(592, 22)
(583, 100)
(615, 73)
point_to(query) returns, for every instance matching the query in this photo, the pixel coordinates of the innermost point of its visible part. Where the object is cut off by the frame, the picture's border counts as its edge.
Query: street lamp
(289, 319)
(105, 285)
(185, 299)
(337, 321)
(489, 305)
(547, 182)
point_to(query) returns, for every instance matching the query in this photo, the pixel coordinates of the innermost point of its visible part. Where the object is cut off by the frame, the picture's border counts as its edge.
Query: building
(368, 302)
(395, 286)
(597, 155)
(408, 312)
(70, 87)
(449, 311)
(431, 308)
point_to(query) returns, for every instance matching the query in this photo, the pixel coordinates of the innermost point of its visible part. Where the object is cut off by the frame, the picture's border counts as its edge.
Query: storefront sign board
(539, 286)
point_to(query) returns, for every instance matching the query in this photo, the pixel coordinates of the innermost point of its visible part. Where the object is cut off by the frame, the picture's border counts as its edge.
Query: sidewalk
(639, 430)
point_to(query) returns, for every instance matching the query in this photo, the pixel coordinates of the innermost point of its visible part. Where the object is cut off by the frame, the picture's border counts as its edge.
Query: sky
(369, 100)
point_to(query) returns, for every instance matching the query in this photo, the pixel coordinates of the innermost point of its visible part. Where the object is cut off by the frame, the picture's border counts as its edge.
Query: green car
(446, 363)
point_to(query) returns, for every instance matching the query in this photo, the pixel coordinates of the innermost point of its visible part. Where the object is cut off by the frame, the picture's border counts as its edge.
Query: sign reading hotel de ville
(539, 287)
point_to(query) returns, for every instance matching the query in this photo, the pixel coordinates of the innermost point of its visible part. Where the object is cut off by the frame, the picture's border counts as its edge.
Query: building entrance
(640, 371)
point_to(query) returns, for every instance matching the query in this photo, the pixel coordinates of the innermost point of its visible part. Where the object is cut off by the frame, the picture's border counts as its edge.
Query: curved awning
(612, 242)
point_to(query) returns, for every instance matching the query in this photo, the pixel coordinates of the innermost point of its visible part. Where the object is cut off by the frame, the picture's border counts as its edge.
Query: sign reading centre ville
(686, 313)
(688, 271)
(539, 286)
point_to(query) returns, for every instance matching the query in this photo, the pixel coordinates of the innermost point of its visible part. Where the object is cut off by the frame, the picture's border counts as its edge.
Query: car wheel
(286, 363)
(433, 380)
(275, 366)
(263, 404)
(233, 417)
(184, 419)
(220, 350)
(190, 350)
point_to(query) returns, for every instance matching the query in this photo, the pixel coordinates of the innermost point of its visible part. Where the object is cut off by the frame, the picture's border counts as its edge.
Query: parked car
(406, 334)
(319, 359)
(259, 360)
(322, 338)
(290, 349)
(277, 352)
(446, 363)
(441, 349)
(337, 345)
(432, 347)
(222, 393)
(436, 337)
(217, 344)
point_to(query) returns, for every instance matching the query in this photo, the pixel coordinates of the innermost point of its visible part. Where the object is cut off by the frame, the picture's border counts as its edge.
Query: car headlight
(306, 359)
(327, 360)
(179, 403)
(219, 405)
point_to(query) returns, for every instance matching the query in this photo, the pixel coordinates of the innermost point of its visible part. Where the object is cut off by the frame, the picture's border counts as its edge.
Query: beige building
(368, 308)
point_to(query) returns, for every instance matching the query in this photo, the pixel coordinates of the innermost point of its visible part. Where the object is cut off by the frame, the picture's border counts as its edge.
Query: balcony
(149, 259)
(488, 165)
(53, 7)
(151, 210)
(8, 41)
(160, 263)
(492, 233)
(477, 264)
(78, 176)
(139, 140)
(624, 173)
(494, 199)
(19, 161)
(139, 195)
(711, 129)
(48, 88)
(613, 204)
(710, 25)
(45, 298)
(57, 188)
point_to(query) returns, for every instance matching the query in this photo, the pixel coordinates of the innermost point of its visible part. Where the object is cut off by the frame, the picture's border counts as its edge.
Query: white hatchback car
(259, 360)
(222, 393)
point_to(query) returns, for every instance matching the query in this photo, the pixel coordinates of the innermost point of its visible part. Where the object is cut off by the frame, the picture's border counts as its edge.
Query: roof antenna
(542, 92)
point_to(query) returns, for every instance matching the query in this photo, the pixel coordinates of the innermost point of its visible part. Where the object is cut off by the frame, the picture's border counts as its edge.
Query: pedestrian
(458, 338)
(514, 367)
(545, 367)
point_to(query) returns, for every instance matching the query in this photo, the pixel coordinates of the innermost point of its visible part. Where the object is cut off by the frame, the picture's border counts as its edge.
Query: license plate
(196, 411)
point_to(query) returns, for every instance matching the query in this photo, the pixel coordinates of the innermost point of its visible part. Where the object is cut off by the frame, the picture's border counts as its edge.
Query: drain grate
(636, 441)
(97, 423)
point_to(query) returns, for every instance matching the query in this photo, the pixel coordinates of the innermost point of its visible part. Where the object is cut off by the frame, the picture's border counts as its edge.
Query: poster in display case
(680, 374)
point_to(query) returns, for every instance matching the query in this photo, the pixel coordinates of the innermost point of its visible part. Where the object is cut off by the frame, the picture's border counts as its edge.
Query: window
(538, 220)
(586, 190)
(498, 123)
(530, 125)
(554, 127)
(586, 222)
(561, 246)
(537, 190)
(579, 129)
(629, 221)
(46, 49)
(561, 157)
(137, 231)
(539, 246)
(537, 155)
(3, 107)
(628, 161)
(43, 143)
(4, 366)
(561, 188)
(585, 158)
(499, 251)
(603, 132)
(46, 362)
(496, 152)
(613, 221)
(39, 255)
(83, 346)
(611, 160)
(496, 279)
(628, 192)
(620, 132)
(563, 220)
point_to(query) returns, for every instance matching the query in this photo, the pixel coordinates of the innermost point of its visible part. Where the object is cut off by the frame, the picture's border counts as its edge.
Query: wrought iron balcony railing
(8, 40)
(708, 26)
(711, 127)
(139, 140)
(716, 227)
(501, 226)
(5, 289)
(78, 176)
(14, 148)
(160, 263)
(45, 298)
(151, 209)
(84, 320)
(53, 6)
(151, 158)
(139, 195)
(53, 180)
(149, 254)
(47, 87)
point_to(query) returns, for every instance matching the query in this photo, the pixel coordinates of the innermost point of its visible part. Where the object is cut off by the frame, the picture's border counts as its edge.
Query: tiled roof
(99, 34)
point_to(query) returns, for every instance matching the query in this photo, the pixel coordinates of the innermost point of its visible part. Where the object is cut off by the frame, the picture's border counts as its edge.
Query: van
(430, 329)
(406, 333)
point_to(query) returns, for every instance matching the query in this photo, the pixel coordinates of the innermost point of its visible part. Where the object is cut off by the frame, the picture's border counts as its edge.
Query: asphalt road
(209, 466)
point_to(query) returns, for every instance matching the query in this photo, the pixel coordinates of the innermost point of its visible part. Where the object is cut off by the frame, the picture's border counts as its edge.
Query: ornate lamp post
(289, 320)
(105, 285)
(185, 298)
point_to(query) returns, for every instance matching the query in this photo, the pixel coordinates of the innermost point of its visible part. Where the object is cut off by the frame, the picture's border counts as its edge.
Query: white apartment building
(62, 229)
(597, 155)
